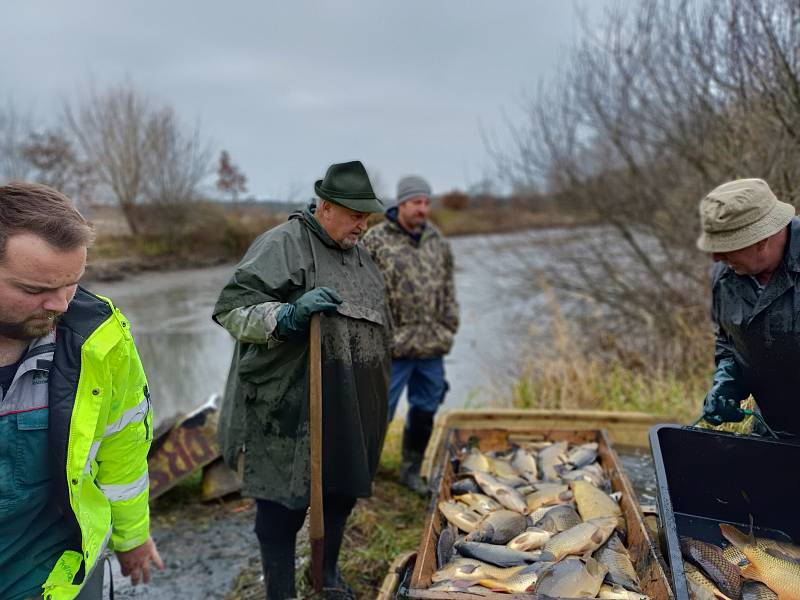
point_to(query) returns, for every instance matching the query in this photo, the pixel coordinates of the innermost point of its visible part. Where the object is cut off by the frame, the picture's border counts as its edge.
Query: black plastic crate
(708, 477)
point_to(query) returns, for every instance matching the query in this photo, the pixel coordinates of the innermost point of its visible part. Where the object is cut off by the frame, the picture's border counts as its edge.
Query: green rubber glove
(294, 318)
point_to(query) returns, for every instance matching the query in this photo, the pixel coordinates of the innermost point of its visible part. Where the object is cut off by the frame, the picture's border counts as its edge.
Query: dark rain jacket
(760, 333)
(264, 417)
(420, 287)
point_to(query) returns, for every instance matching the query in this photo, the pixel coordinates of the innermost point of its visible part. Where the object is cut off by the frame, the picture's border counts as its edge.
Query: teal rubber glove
(295, 318)
(722, 403)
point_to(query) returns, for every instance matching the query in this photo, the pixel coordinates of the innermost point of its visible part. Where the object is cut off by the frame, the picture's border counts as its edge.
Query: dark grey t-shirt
(7, 374)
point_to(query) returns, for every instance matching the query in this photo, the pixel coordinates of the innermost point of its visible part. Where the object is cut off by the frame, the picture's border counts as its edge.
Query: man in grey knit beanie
(417, 265)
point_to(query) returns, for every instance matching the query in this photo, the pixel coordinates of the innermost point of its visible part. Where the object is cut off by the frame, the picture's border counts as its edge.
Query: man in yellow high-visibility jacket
(75, 415)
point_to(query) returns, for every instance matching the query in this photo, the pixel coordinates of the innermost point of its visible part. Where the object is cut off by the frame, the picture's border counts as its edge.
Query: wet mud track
(204, 549)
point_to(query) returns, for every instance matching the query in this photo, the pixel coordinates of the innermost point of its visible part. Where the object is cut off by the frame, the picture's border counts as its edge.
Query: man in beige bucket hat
(755, 241)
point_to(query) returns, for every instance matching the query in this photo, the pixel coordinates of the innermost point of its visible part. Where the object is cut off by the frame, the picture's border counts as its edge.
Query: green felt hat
(348, 184)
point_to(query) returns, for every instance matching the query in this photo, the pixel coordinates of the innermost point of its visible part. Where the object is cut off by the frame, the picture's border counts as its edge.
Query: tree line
(117, 145)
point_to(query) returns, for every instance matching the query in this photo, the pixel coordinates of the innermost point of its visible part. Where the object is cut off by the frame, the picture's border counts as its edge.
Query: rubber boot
(337, 510)
(417, 433)
(277, 561)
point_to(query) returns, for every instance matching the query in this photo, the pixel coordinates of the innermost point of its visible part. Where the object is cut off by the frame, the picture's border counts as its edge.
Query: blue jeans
(425, 380)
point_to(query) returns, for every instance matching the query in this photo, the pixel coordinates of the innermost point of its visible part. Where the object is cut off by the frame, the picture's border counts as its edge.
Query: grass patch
(586, 367)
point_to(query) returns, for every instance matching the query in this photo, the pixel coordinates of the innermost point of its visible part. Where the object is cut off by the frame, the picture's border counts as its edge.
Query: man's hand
(136, 562)
(294, 318)
(321, 299)
(718, 410)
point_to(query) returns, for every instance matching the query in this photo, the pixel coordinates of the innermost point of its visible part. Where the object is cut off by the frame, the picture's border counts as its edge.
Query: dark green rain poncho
(758, 336)
(264, 419)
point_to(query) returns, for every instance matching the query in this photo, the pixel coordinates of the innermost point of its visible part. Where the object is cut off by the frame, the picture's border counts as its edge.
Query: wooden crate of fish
(534, 515)
(726, 505)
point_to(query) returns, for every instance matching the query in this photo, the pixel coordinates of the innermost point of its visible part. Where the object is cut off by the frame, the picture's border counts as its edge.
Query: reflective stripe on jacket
(101, 427)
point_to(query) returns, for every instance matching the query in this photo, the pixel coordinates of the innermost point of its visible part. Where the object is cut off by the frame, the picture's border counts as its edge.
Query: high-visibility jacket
(101, 427)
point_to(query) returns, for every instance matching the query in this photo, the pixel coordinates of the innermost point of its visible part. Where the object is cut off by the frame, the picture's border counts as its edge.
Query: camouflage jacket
(419, 287)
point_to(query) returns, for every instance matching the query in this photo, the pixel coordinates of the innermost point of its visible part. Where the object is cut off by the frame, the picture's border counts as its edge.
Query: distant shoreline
(117, 256)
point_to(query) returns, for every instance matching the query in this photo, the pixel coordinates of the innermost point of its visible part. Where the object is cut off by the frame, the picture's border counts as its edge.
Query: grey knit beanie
(411, 186)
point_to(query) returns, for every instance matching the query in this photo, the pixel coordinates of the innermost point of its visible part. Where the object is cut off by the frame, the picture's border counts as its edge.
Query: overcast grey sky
(289, 87)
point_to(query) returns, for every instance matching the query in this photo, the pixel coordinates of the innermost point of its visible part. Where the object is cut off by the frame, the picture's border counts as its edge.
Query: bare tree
(652, 110)
(111, 129)
(230, 179)
(53, 161)
(176, 161)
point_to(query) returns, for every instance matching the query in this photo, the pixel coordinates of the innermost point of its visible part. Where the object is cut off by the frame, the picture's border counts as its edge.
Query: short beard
(29, 329)
(346, 244)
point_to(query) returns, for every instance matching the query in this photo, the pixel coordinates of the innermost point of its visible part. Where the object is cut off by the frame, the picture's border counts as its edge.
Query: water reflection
(184, 368)
(186, 355)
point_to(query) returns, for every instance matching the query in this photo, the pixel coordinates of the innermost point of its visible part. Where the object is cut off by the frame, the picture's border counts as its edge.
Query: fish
(734, 556)
(525, 464)
(465, 485)
(709, 558)
(617, 592)
(471, 570)
(571, 578)
(780, 575)
(512, 481)
(530, 539)
(755, 590)
(592, 473)
(549, 497)
(526, 489)
(494, 554)
(584, 537)
(593, 502)
(522, 581)
(580, 456)
(549, 486)
(558, 519)
(480, 503)
(473, 461)
(444, 546)
(498, 527)
(548, 459)
(505, 495)
(459, 515)
(502, 468)
(614, 556)
(700, 586)
(453, 586)
(785, 550)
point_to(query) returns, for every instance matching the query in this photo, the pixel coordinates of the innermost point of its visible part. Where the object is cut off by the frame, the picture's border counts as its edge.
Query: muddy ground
(205, 548)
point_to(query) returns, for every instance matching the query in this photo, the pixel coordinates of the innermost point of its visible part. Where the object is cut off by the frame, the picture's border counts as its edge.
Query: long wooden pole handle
(316, 529)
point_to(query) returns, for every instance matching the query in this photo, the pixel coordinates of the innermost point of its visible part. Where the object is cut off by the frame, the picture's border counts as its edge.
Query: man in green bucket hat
(755, 241)
(312, 263)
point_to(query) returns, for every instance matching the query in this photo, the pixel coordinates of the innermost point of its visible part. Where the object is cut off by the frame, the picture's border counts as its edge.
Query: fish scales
(780, 575)
(710, 558)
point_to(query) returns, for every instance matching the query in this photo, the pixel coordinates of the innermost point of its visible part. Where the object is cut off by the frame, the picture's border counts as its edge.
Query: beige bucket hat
(740, 213)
